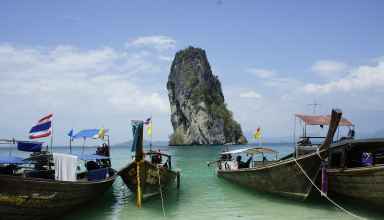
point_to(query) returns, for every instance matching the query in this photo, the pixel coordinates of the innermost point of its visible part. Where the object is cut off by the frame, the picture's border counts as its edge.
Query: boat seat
(97, 174)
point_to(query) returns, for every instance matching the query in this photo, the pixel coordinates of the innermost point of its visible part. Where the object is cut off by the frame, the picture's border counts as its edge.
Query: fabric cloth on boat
(29, 146)
(65, 166)
(366, 159)
(91, 133)
(11, 160)
(98, 174)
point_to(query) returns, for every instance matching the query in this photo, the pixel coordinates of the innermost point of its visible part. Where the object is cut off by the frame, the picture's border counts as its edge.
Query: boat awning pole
(294, 135)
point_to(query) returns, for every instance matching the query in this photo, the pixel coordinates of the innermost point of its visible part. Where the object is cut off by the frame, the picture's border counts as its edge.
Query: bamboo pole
(138, 193)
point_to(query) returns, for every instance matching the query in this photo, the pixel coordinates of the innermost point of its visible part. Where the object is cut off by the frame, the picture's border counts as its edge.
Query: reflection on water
(204, 196)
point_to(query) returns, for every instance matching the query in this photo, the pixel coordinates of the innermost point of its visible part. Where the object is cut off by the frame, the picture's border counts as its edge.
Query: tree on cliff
(199, 114)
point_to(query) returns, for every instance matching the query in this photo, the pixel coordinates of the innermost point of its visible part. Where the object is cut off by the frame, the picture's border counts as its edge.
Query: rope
(161, 192)
(325, 195)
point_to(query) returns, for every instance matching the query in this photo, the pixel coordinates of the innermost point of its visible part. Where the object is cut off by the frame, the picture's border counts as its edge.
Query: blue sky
(90, 63)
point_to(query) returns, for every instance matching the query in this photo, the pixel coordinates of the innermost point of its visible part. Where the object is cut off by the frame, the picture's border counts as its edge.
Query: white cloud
(361, 78)
(261, 73)
(165, 58)
(83, 86)
(250, 94)
(329, 68)
(158, 42)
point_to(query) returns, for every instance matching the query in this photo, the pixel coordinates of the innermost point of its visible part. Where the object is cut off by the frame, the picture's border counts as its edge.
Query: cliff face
(198, 111)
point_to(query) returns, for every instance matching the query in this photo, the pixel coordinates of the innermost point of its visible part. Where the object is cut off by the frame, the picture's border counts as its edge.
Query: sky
(103, 63)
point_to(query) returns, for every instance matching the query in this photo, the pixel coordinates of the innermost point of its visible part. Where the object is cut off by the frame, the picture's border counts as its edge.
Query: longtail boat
(283, 176)
(356, 170)
(146, 178)
(43, 187)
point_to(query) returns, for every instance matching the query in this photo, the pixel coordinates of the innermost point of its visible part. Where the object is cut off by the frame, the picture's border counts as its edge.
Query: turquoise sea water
(202, 195)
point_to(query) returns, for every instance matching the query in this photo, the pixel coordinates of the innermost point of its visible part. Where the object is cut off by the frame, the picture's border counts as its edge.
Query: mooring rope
(325, 195)
(161, 192)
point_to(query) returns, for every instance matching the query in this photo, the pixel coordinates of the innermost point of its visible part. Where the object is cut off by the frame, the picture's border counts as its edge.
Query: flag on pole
(42, 128)
(257, 134)
(70, 133)
(101, 133)
(149, 129)
(148, 123)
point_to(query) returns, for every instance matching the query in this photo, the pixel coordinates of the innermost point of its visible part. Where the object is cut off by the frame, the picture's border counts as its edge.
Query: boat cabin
(357, 153)
(313, 132)
(255, 157)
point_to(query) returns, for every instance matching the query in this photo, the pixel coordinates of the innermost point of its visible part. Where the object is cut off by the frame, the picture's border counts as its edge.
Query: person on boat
(166, 164)
(304, 141)
(103, 150)
(156, 157)
(226, 157)
(351, 133)
(242, 164)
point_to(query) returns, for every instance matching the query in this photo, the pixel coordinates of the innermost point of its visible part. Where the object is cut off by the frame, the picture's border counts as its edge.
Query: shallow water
(204, 196)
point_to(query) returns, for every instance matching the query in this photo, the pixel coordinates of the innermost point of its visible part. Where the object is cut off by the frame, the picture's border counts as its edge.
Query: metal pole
(150, 143)
(294, 135)
(70, 144)
(51, 135)
(82, 151)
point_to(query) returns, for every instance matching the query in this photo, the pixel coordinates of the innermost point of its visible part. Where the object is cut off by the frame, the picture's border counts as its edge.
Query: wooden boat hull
(149, 178)
(364, 184)
(349, 178)
(34, 198)
(283, 177)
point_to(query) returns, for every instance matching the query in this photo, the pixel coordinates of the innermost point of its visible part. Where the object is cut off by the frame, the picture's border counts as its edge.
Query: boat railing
(262, 163)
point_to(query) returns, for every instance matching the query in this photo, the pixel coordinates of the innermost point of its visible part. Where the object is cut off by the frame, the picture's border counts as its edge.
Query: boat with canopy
(48, 184)
(287, 176)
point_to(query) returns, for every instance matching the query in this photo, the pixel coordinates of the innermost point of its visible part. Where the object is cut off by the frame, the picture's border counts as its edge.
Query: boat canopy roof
(89, 133)
(90, 157)
(251, 150)
(321, 120)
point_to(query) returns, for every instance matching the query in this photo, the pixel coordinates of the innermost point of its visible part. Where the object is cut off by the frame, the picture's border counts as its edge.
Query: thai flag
(42, 128)
(146, 122)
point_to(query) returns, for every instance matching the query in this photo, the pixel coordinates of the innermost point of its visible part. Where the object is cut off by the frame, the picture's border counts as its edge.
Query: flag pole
(70, 145)
(150, 143)
(51, 136)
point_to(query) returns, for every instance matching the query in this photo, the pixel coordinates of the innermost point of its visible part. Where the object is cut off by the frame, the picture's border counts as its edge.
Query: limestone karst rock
(198, 111)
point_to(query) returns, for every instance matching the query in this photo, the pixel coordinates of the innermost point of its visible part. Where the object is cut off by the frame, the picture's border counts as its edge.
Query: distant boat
(146, 178)
(30, 188)
(284, 176)
(356, 170)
